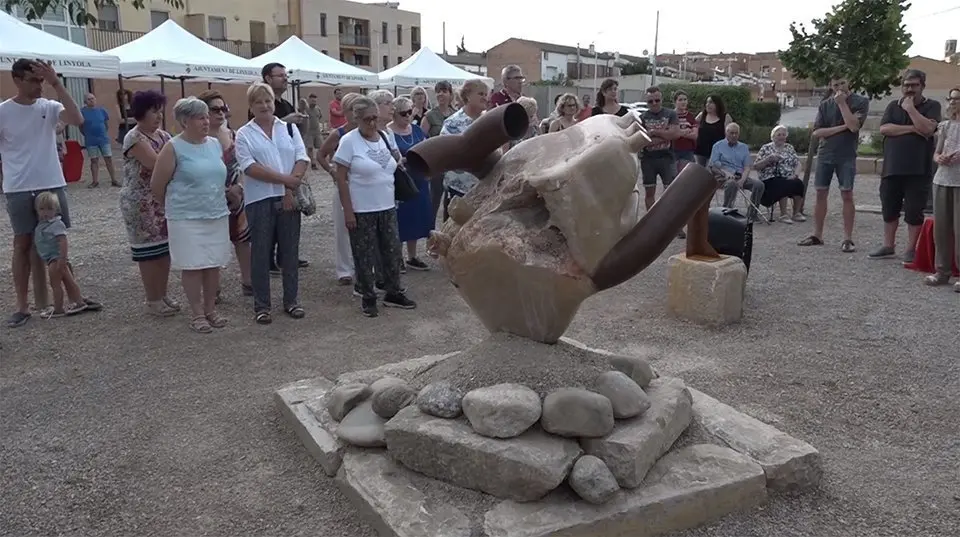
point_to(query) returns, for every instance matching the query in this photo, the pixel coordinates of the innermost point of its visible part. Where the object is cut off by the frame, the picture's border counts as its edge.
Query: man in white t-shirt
(28, 143)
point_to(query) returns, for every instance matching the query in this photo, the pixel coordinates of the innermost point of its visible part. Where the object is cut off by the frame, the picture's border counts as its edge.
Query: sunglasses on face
(405, 113)
(219, 109)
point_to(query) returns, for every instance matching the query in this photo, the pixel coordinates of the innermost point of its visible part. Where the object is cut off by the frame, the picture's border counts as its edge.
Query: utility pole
(653, 62)
(444, 38)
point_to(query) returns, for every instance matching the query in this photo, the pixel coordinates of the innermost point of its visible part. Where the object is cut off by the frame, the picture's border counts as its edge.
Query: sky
(622, 26)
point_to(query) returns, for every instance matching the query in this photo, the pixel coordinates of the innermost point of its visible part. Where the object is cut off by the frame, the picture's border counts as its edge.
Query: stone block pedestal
(705, 291)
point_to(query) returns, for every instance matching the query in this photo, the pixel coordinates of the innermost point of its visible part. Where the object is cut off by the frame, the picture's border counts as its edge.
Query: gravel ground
(115, 424)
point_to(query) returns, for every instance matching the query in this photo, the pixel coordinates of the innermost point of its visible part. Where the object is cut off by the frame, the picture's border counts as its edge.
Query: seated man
(730, 158)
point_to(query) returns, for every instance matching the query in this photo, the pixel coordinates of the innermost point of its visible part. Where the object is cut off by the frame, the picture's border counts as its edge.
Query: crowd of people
(186, 199)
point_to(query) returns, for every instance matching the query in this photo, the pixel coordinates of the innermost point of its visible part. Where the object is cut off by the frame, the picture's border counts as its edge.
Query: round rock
(576, 412)
(441, 399)
(634, 367)
(502, 411)
(592, 480)
(345, 398)
(627, 397)
(362, 427)
(378, 385)
(393, 398)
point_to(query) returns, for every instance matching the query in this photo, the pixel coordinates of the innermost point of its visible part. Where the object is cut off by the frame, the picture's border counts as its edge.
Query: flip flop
(811, 241)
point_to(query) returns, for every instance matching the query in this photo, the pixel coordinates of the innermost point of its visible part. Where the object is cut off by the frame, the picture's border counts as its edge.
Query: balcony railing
(102, 40)
(354, 40)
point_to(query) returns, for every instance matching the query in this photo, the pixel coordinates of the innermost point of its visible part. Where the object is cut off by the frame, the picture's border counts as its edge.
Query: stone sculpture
(552, 221)
(570, 440)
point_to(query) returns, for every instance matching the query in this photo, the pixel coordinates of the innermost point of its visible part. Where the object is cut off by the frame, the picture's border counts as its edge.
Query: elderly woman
(142, 213)
(946, 194)
(343, 254)
(273, 160)
(778, 165)
(365, 162)
(567, 108)
(421, 105)
(189, 177)
(474, 95)
(414, 217)
(384, 100)
(239, 230)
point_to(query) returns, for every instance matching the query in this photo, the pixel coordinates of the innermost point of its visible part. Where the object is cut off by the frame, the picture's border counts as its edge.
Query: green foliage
(75, 9)
(639, 67)
(735, 98)
(864, 41)
(755, 136)
(766, 114)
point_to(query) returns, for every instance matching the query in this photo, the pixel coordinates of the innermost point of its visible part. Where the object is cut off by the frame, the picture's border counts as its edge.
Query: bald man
(731, 157)
(96, 140)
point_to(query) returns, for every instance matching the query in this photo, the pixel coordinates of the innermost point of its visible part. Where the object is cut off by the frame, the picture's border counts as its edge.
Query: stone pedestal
(704, 291)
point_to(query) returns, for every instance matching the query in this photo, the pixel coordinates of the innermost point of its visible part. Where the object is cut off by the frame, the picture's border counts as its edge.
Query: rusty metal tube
(643, 244)
(474, 150)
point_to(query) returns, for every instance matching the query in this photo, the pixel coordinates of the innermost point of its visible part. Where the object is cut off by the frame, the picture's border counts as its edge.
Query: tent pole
(123, 109)
(163, 117)
(183, 88)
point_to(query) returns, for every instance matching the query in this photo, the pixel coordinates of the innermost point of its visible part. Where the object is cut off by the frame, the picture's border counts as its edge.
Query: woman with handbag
(366, 162)
(414, 216)
(239, 230)
(274, 161)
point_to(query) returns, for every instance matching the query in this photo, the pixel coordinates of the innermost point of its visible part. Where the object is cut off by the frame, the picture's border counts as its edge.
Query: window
(399, 34)
(217, 28)
(384, 32)
(415, 34)
(361, 59)
(546, 55)
(158, 17)
(323, 25)
(342, 57)
(386, 62)
(324, 51)
(60, 31)
(108, 18)
(55, 14)
(399, 60)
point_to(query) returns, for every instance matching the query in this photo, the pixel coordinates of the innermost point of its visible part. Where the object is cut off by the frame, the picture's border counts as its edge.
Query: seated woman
(189, 176)
(777, 165)
(366, 161)
(274, 161)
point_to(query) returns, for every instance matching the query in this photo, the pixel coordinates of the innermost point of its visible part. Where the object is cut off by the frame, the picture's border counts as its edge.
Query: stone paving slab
(300, 403)
(789, 463)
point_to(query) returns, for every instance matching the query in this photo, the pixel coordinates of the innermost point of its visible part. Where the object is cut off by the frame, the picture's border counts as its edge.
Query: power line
(934, 14)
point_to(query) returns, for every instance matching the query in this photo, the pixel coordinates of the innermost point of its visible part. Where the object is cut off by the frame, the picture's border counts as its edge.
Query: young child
(50, 239)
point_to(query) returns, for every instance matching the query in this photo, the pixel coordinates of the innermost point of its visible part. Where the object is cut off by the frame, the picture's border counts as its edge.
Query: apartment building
(372, 36)
(472, 62)
(547, 61)
(246, 28)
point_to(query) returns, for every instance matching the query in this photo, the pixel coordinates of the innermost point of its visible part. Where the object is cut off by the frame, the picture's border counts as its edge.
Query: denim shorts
(845, 170)
(94, 151)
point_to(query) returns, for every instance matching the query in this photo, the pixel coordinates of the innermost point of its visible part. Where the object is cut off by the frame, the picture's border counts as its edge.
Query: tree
(864, 41)
(75, 9)
(639, 67)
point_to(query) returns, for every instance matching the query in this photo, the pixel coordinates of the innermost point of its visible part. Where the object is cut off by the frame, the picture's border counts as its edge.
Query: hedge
(735, 98)
(766, 114)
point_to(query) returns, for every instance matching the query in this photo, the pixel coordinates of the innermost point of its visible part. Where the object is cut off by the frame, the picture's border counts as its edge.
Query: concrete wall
(515, 52)
(237, 14)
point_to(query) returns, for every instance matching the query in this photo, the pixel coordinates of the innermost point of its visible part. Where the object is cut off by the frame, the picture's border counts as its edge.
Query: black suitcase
(730, 234)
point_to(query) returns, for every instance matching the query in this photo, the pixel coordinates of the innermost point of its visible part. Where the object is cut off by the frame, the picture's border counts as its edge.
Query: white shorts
(199, 244)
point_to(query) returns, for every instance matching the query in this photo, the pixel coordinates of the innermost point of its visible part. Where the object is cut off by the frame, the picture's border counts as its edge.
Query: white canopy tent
(307, 65)
(425, 68)
(170, 51)
(20, 40)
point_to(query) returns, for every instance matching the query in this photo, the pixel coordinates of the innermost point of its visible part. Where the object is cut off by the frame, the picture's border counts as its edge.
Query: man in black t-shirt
(275, 76)
(908, 127)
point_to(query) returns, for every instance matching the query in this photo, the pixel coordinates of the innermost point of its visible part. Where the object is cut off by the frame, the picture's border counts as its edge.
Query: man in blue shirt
(96, 140)
(731, 158)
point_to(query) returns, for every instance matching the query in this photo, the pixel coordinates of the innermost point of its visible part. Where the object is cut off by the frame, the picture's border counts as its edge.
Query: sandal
(296, 312)
(263, 318)
(51, 313)
(848, 247)
(216, 320)
(92, 305)
(171, 303)
(73, 309)
(200, 325)
(160, 308)
(812, 240)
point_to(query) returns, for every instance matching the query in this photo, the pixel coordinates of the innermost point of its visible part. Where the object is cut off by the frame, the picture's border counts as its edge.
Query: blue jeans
(844, 169)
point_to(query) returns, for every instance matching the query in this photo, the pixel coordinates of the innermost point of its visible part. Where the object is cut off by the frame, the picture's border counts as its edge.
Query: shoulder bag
(404, 187)
(303, 195)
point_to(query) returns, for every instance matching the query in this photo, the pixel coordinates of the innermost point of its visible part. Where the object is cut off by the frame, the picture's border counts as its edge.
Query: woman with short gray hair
(384, 100)
(778, 166)
(189, 176)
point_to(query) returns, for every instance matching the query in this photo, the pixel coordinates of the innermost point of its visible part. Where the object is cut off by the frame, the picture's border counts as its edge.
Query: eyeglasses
(405, 113)
(220, 109)
(370, 119)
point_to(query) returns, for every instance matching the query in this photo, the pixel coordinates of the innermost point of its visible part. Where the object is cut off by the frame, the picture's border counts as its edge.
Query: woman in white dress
(189, 176)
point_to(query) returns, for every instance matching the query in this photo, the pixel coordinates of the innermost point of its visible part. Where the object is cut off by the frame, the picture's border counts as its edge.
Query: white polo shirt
(28, 146)
(279, 154)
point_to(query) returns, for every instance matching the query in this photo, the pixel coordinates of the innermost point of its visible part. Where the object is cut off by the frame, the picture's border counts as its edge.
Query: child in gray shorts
(50, 240)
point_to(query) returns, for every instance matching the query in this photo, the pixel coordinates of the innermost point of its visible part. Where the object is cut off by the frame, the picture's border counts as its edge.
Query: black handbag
(404, 187)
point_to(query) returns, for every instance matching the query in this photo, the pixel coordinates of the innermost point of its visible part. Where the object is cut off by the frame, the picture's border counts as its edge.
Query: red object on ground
(924, 260)
(73, 161)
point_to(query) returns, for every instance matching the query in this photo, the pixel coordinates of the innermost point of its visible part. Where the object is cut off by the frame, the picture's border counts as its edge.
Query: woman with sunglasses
(239, 230)
(414, 217)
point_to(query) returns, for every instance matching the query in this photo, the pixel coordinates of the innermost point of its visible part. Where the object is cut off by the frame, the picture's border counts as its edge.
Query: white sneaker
(799, 218)
(786, 219)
